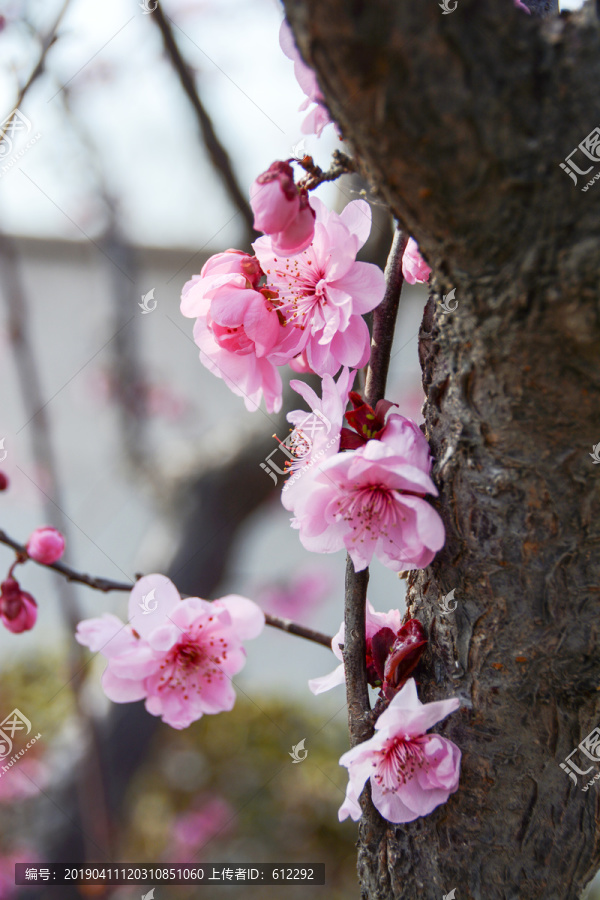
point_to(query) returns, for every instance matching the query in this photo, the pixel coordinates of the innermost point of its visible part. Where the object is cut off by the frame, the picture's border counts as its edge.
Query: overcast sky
(125, 98)
(127, 102)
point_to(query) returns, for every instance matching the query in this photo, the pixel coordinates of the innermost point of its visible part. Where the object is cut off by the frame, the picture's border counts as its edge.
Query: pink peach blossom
(414, 267)
(319, 430)
(411, 772)
(282, 211)
(318, 117)
(46, 545)
(178, 655)
(372, 502)
(374, 622)
(323, 293)
(236, 327)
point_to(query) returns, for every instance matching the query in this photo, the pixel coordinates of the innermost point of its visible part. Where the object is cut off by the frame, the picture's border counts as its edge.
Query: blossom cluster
(370, 500)
(410, 772)
(361, 482)
(299, 299)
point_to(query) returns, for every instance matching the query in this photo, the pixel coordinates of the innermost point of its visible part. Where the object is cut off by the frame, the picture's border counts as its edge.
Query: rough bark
(461, 122)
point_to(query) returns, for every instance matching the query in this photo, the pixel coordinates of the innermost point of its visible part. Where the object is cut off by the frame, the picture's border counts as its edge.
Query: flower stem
(105, 585)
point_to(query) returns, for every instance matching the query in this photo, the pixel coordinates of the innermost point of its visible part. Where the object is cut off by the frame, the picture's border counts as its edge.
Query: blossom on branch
(236, 327)
(393, 651)
(411, 772)
(371, 501)
(178, 655)
(323, 432)
(323, 293)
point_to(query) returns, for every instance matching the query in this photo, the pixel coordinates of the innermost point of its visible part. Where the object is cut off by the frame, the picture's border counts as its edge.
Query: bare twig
(384, 322)
(342, 164)
(217, 152)
(37, 70)
(105, 585)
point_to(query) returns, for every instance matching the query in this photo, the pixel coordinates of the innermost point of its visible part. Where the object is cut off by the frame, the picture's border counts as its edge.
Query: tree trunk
(461, 122)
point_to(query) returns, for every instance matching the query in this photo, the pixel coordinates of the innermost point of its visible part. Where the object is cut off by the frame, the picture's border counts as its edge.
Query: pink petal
(122, 690)
(391, 806)
(262, 327)
(247, 617)
(365, 283)
(106, 635)
(297, 236)
(327, 682)
(151, 601)
(356, 216)
(273, 211)
(229, 306)
(429, 525)
(352, 347)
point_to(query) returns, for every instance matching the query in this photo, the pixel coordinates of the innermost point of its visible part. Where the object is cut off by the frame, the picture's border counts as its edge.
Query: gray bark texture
(461, 122)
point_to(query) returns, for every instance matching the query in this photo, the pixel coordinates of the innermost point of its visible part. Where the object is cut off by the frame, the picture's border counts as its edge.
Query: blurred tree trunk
(460, 121)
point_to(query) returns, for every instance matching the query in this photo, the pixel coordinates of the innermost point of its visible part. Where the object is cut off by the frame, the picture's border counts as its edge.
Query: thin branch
(37, 70)
(217, 152)
(342, 165)
(360, 721)
(384, 322)
(106, 584)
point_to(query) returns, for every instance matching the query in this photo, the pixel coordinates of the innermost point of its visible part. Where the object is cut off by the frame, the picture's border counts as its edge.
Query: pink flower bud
(281, 210)
(46, 545)
(18, 609)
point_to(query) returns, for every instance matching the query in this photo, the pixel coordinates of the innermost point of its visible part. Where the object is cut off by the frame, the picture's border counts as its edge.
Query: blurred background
(143, 131)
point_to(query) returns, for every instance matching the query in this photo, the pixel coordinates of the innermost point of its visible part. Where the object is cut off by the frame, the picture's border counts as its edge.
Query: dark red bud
(404, 655)
(368, 423)
(10, 588)
(380, 645)
(4, 482)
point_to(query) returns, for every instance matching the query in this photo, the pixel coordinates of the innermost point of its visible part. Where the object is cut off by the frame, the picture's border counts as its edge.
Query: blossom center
(301, 286)
(398, 762)
(188, 655)
(368, 510)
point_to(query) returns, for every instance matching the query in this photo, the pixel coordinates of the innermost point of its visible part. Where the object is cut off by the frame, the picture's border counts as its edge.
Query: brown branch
(360, 716)
(47, 42)
(384, 320)
(106, 584)
(342, 165)
(216, 151)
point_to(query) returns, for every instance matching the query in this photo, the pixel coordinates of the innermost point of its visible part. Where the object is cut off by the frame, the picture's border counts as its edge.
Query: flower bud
(46, 545)
(18, 609)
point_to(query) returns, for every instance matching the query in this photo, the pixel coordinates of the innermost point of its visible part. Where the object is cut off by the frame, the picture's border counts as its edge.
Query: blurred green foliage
(237, 764)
